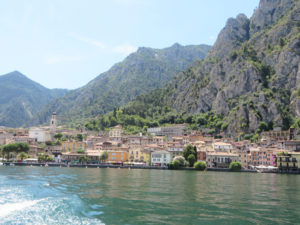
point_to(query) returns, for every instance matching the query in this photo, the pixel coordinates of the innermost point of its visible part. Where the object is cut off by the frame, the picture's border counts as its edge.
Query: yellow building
(73, 146)
(139, 155)
(288, 161)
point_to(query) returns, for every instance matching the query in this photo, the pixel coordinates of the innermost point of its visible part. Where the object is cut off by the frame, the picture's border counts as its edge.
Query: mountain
(249, 81)
(140, 72)
(21, 98)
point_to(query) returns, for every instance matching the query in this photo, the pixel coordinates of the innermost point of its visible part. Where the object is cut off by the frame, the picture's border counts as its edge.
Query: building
(116, 131)
(222, 147)
(263, 156)
(291, 145)
(171, 131)
(288, 161)
(117, 156)
(220, 159)
(39, 134)
(175, 149)
(278, 135)
(160, 158)
(53, 123)
(73, 146)
(139, 155)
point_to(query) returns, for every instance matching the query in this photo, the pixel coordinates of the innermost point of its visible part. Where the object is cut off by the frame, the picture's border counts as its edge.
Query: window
(113, 153)
(113, 158)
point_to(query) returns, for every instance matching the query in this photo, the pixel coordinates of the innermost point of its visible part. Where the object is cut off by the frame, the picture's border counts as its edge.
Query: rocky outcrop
(251, 73)
(231, 36)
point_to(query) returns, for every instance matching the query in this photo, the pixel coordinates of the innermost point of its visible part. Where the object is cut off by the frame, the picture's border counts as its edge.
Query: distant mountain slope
(140, 72)
(250, 78)
(21, 98)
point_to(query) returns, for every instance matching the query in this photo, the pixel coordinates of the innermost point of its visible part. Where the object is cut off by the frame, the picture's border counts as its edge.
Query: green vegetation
(139, 73)
(14, 148)
(200, 165)
(283, 154)
(58, 136)
(104, 156)
(79, 137)
(83, 159)
(235, 166)
(22, 155)
(191, 159)
(80, 151)
(190, 154)
(21, 99)
(45, 158)
(175, 165)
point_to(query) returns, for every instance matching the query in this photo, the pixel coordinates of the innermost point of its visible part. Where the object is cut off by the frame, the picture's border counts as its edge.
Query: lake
(45, 195)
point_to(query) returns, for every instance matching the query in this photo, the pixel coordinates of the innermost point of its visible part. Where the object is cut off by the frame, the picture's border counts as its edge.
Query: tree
(200, 165)
(235, 166)
(15, 147)
(58, 136)
(191, 159)
(79, 137)
(188, 150)
(22, 155)
(83, 159)
(104, 156)
(45, 158)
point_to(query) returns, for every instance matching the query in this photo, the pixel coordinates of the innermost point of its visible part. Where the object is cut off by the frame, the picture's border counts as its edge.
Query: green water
(122, 196)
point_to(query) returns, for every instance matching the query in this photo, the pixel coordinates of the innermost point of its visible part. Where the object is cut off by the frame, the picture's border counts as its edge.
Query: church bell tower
(53, 123)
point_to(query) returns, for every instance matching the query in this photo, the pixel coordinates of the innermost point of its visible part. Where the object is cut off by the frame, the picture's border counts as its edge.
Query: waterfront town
(275, 150)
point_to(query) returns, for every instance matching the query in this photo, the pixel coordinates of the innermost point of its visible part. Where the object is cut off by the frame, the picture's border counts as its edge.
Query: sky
(66, 44)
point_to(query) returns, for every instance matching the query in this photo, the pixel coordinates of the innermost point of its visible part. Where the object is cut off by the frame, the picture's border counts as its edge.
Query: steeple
(53, 123)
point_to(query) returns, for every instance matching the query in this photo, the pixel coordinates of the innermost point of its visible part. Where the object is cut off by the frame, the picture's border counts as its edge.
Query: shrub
(191, 159)
(175, 165)
(235, 166)
(200, 165)
(180, 159)
(80, 151)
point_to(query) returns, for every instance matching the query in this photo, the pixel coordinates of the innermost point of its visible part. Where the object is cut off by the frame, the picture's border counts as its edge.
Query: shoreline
(99, 166)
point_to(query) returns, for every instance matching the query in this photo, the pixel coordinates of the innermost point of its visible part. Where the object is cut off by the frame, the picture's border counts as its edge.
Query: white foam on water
(10, 208)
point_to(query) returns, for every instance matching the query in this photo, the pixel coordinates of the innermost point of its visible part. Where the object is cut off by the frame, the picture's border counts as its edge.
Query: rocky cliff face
(251, 73)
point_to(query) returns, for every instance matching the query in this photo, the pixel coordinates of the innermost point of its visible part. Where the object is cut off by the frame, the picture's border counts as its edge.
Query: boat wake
(10, 208)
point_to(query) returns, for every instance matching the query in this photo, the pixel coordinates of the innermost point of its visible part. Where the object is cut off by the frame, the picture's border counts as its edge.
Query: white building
(177, 130)
(160, 158)
(222, 147)
(39, 134)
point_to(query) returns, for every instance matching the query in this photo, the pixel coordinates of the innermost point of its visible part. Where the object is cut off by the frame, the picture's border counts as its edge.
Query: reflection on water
(121, 196)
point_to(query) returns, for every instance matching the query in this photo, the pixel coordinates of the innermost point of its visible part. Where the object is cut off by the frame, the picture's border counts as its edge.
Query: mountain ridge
(140, 72)
(21, 98)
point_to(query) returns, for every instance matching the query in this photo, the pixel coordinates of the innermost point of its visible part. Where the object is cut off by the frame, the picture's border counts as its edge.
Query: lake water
(39, 195)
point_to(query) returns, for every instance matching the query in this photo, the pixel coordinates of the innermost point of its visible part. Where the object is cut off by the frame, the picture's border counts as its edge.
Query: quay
(136, 167)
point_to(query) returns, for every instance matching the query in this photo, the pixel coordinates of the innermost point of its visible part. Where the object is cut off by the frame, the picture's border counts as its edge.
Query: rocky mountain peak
(235, 31)
(268, 12)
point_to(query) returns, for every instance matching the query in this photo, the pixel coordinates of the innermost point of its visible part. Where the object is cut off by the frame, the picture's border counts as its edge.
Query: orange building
(117, 156)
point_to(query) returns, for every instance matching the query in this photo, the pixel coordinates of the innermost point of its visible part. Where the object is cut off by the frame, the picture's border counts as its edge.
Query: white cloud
(96, 43)
(62, 59)
(124, 49)
(212, 38)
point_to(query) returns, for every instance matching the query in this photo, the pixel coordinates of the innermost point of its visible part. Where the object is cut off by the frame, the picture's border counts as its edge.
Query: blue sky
(66, 43)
